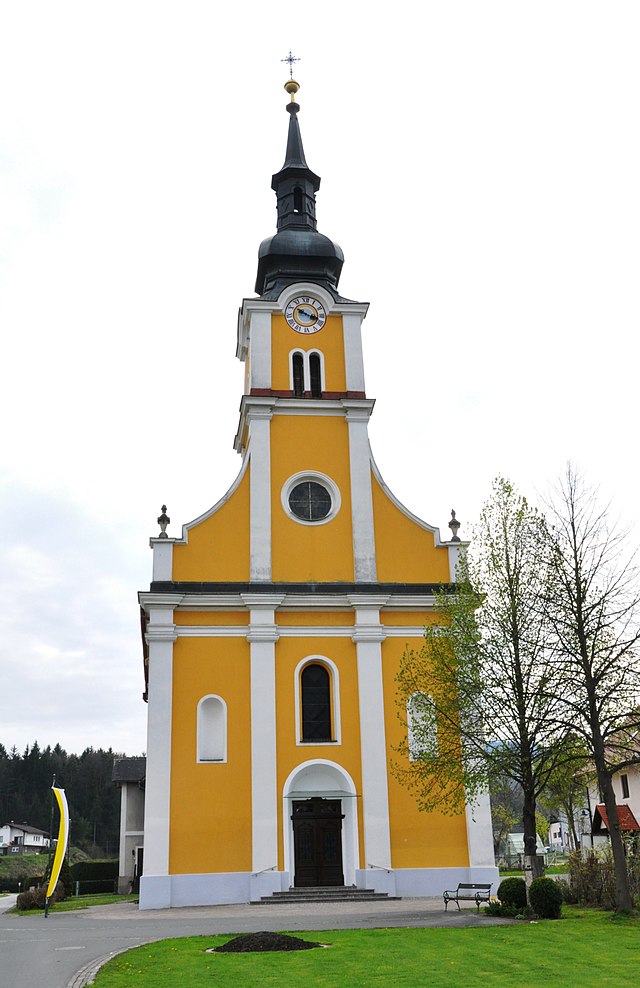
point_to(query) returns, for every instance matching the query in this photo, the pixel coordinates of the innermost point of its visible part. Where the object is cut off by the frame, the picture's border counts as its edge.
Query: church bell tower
(274, 625)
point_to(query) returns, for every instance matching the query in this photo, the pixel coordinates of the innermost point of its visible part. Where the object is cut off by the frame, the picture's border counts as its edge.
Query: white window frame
(334, 677)
(319, 478)
(306, 370)
(416, 750)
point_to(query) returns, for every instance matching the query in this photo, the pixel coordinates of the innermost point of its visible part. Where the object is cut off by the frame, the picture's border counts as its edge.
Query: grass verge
(587, 947)
(79, 902)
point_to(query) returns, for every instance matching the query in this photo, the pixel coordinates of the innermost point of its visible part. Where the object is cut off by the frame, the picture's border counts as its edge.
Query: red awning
(625, 817)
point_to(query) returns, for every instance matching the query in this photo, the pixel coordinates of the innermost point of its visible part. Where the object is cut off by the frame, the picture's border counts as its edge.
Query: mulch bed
(263, 942)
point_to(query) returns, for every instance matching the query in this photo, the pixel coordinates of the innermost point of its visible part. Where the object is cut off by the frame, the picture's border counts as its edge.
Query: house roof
(625, 817)
(129, 769)
(25, 828)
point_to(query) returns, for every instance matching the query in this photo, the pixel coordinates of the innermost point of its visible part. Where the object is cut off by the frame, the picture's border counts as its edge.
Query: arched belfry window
(422, 730)
(315, 688)
(297, 365)
(212, 729)
(315, 375)
(297, 199)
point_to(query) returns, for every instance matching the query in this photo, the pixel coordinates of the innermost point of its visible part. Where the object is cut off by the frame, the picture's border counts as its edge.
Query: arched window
(422, 731)
(315, 374)
(297, 364)
(297, 199)
(315, 687)
(212, 729)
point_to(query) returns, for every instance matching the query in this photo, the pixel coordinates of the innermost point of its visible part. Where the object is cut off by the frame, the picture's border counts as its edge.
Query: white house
(20, 838)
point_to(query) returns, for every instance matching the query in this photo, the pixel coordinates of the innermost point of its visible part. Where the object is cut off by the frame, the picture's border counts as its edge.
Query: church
(274, 626)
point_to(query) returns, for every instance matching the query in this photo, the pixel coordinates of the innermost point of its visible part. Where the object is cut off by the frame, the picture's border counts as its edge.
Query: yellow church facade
(274, 626)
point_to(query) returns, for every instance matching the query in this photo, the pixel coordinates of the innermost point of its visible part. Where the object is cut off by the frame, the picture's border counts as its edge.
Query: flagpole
(48, 871)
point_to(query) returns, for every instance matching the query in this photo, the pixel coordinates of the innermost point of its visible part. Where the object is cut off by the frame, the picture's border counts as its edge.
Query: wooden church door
(317, 839)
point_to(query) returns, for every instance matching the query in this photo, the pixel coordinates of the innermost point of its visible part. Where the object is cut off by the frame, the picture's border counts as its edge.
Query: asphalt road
(62, 950)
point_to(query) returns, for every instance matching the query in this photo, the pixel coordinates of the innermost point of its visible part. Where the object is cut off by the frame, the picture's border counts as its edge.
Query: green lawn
(586, 948)
(80, 902)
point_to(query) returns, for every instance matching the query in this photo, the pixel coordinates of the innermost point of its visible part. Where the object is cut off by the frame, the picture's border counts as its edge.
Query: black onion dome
(297, 252)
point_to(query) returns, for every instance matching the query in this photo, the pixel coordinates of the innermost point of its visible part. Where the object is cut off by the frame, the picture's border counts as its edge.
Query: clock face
(305, 314)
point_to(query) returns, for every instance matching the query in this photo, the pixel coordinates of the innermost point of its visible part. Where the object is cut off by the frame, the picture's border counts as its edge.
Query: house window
(624, 779)
(212, 729)
(315, 688)
(422, 733)
(315, 375)
(297, 366)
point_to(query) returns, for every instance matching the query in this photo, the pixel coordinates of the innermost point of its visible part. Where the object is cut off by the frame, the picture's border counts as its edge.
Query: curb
(86, 974)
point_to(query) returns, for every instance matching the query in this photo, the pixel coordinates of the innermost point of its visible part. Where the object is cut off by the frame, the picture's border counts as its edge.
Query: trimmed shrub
(35, 898)
(513, 892)
(95, 876)
(546, 898)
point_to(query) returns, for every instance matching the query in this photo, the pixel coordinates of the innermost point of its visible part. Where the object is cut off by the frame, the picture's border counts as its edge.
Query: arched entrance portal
(320, 820)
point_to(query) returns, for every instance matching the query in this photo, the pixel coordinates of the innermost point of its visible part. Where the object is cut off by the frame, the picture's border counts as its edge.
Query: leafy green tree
(593, 606)
(487, 671)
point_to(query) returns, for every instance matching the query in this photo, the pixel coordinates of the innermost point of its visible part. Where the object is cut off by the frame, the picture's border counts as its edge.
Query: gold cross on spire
(291, 59)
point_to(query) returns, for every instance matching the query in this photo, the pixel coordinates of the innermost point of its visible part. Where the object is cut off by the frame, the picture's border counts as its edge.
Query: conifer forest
(94, 801)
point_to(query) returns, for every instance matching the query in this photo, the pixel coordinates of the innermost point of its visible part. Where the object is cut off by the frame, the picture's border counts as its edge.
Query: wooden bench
(472, 891)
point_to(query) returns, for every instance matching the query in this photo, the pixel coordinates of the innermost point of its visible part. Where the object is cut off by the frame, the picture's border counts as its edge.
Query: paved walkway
(66, 949)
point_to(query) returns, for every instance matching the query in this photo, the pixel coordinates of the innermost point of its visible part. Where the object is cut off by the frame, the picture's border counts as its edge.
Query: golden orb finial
(292, 87)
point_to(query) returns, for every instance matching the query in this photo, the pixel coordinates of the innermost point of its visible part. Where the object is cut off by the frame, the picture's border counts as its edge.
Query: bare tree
(485, 676)
(593, 606)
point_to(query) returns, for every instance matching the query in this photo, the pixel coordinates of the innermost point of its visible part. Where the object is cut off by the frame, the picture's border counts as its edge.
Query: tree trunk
(624, 900)
(533, 867)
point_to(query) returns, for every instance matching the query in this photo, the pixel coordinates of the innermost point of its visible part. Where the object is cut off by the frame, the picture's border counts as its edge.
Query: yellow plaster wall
(211, 618)
(418, 839)
(405, 552)
(218, 548)
(289, 652)
(310, 552)
(210, 819)
(318, 619)
(329, 340)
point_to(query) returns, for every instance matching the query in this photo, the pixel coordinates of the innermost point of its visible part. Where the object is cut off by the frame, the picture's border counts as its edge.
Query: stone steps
(335, 893)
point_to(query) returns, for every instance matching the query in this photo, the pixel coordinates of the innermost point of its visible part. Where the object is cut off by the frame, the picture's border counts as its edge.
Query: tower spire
(297, 252)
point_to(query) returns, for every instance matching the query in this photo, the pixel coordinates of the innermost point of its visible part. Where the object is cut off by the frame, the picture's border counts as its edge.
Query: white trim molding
(335, 698)
(318, 478)
(373, 745)
(320, 777)
(264, 817)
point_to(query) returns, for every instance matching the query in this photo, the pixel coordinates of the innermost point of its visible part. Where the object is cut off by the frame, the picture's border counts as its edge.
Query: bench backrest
(475, 886)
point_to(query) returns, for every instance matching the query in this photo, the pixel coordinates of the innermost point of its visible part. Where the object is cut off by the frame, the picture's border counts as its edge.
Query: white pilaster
(260, 350)
(260, 486)
(160, 636)
(262, 636)
(368, 637)
(456, 551)
(353, 362)
(480, 833)
(364, 545)
(162, 559)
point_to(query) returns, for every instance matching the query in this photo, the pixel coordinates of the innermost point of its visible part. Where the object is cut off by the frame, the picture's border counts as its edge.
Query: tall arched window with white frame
(422, 728)
(297, 374)
(315, 375)
(212, 729)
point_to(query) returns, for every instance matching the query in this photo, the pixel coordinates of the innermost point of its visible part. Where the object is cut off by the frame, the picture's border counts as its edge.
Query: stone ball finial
(454, 525)
(163, 521)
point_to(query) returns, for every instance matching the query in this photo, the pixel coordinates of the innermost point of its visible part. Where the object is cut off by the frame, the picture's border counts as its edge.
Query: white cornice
(170, 601)
(276, 631)
(292, 602)
(160, 633)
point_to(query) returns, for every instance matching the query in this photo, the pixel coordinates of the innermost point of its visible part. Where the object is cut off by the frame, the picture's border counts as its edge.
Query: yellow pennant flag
(63, 835)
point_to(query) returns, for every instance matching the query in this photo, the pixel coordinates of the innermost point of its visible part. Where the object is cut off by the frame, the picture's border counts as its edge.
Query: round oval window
(310, 501)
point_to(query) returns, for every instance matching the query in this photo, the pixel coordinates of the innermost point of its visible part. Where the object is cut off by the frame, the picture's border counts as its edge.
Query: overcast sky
(479, 165)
